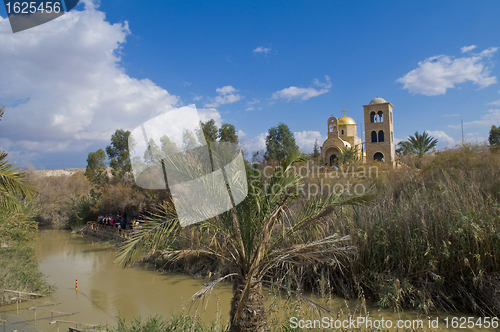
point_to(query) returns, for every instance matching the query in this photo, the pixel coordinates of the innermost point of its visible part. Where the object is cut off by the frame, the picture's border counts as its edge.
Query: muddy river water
(107, 291)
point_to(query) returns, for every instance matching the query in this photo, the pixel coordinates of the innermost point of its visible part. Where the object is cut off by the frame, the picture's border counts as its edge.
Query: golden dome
(345, 120)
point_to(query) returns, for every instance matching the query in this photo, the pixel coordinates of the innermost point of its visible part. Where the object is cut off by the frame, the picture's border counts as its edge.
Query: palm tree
(418, 144)
(13, 182)
(348, 154)
(272, 228)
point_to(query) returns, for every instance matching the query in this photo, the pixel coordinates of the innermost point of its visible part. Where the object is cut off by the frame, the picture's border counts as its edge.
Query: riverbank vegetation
(271, 229)
(430, 240)
(18, 264)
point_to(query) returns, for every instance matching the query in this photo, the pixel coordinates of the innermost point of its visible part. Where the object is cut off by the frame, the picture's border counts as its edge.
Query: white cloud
(206, 114)
(495, 103)
(197, 97)
(253, 102)
(450, 115)
(443, 139)
(491, 117)
(262, 49)
(251, 145)
(466, 49)
(294, 92)
(227, 95)
(73, 89)
(326, 85)
(438, 73)
(305, 140)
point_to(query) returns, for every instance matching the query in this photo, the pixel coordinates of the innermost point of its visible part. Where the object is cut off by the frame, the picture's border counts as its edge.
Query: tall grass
(429, 241)
(432, 238)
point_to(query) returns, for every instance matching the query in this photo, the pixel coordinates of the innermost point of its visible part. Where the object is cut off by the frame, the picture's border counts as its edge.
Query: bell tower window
(381, 136)
(380, 116)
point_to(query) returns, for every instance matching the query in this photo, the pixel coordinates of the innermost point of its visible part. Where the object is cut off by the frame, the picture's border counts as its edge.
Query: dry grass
(432, 238)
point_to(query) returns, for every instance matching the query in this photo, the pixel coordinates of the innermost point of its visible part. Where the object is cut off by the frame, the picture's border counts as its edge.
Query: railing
(75, 323)
(18, 298)
(3, 323)
(108, 230)
(51, 311)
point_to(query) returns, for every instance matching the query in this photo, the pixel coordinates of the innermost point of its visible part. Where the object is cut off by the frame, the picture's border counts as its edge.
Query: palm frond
(13, 182)
(327, 250)
(319, 207)
(157, 233)
(208, 288)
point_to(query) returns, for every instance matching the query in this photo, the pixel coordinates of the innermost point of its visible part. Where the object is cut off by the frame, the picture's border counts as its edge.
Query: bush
(18, 264)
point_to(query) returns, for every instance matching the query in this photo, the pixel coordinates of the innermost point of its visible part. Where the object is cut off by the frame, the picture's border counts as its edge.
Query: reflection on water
(107, 291)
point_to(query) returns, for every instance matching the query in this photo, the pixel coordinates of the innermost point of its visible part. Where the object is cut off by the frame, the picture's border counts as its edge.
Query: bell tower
(379, 131)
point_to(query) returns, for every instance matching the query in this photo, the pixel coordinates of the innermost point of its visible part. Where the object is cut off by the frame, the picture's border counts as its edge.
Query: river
(107, 291)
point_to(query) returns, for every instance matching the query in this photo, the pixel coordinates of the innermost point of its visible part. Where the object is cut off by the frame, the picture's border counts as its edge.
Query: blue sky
(70, 83)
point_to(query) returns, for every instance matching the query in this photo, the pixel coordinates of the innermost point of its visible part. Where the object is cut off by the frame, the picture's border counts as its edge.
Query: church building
(379, 134)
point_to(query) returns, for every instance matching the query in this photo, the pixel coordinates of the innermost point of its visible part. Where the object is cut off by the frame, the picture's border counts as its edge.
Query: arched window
(378, 156)
(342, 131)
(380, 116)
(331, 128)
(381, 136)
(372, 117)
(374, 136)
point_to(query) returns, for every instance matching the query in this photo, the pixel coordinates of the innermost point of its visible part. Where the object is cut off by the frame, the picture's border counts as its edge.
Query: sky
(67, 85)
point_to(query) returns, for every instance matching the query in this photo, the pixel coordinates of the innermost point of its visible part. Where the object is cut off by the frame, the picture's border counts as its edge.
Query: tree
(348, 155)
(153, 154)
(13, 185)
(404, 148)
(494, 138)
(118, 154)
(167, 146)
(13, 182)
(316, 153)
(227, 133)
(210, 130)
(270, 228)
(96, 171)
(417, 144)
(280, 143)
(188, 141)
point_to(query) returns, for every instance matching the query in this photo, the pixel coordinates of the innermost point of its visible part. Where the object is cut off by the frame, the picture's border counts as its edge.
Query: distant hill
(59, 172)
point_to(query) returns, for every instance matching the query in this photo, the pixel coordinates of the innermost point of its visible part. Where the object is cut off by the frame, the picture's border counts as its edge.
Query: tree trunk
(253, 316)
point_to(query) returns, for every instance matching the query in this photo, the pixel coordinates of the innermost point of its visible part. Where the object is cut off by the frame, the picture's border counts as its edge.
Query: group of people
(118, 221)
